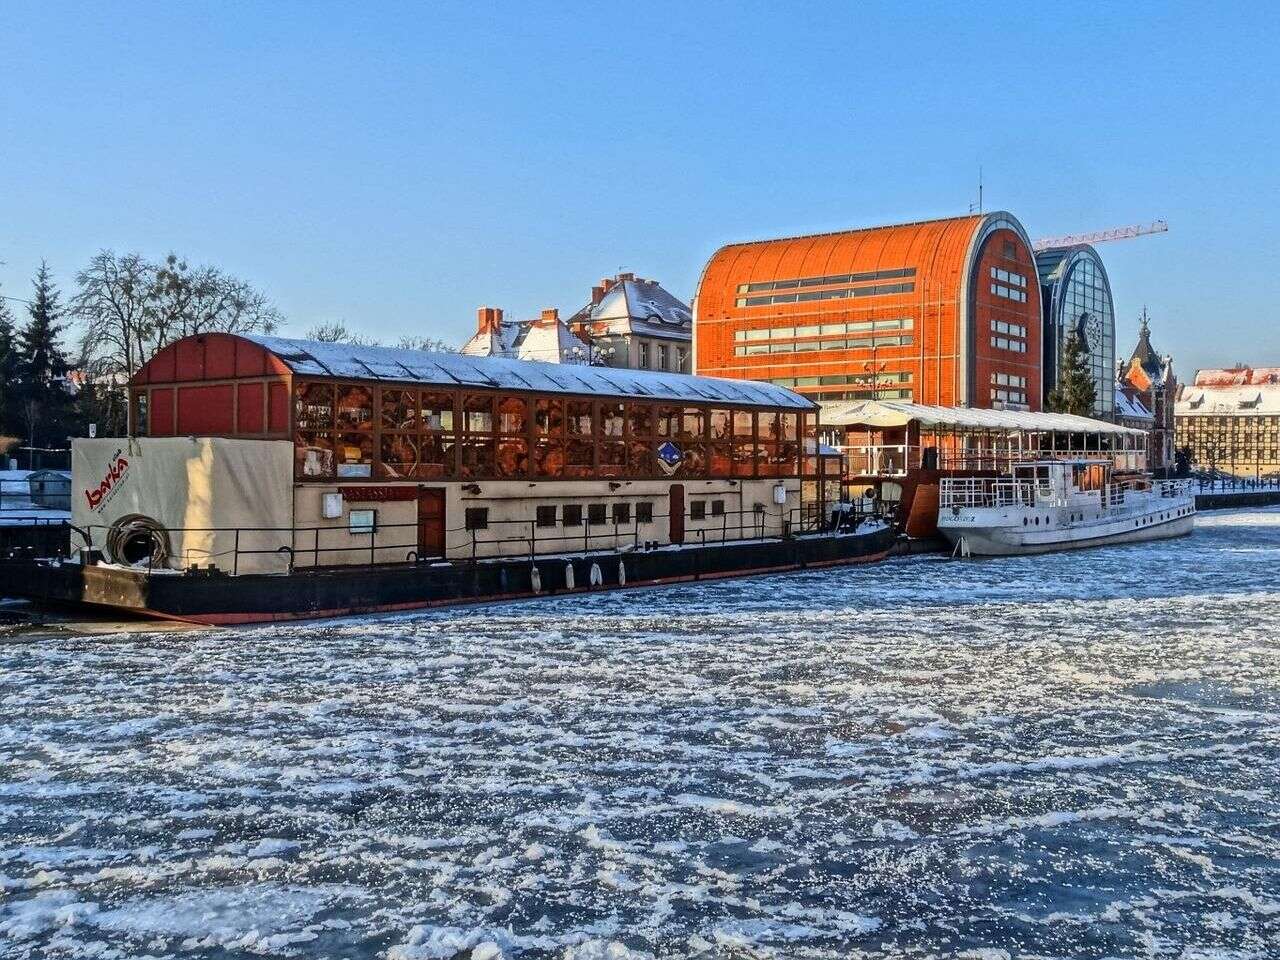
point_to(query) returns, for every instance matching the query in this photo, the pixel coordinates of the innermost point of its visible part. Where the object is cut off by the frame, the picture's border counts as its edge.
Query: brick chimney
(607, 284)
(597, 294)
(550, 317)
(488, 319)
(626, 276)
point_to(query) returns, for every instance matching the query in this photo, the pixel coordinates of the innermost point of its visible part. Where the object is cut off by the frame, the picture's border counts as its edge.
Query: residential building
(636, 323)
(547, 338)
(1229, 420)
(942, 312)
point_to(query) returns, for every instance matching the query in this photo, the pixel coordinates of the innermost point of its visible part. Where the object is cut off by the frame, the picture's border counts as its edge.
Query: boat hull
(338, 591)
(1001, 540)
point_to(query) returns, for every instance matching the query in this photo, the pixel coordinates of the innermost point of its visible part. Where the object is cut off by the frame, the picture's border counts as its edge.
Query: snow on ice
(1065, 756)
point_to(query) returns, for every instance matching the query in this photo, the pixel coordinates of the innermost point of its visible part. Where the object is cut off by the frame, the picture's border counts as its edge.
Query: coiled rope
(130, 528)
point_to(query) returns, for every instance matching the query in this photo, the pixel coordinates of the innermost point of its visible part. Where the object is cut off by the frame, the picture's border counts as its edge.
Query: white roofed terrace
(886, 438)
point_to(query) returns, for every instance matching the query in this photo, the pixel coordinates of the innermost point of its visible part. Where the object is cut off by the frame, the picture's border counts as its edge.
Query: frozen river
(1066, 756)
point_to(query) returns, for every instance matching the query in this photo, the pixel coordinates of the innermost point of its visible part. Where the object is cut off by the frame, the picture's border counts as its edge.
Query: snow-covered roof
(893, 413)
(641, 307)
(312, 358)
(1246, 400)
(1131, 407)
(528, 340)
(1237, 376)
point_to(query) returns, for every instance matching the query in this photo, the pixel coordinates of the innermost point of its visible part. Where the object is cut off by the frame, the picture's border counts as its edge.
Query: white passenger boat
(1052, 505)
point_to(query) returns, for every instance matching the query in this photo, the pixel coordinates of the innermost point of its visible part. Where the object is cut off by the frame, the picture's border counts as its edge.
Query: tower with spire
(1149, 379)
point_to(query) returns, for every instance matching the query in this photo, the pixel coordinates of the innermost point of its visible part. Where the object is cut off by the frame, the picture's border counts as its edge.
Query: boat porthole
(1024, 521)
(1037, 521)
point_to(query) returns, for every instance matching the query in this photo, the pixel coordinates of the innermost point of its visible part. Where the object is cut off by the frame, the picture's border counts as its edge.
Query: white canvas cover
(893, 413)
(190, 485)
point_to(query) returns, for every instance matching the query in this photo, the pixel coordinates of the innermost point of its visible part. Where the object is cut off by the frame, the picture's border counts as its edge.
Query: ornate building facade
(1147, 383)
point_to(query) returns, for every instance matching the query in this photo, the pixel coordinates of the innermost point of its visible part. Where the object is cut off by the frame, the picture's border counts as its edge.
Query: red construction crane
(1119, 233)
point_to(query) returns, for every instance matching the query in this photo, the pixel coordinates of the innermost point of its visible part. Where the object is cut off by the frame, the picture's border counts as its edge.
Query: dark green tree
(47, 405)
(10, 395)
(1075, 392)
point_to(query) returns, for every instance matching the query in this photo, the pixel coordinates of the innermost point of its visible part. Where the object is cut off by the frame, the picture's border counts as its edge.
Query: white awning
(894, 413)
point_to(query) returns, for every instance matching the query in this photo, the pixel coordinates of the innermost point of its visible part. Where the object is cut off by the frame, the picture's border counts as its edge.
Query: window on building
(871, 290)
(622, 513)
(1007, 276)
(547, 516)
(662, 356)
(476, 518)
(644, 512)
(477, 413)
(697, 510)
(513, 415)
(437, 411)
(1009, 293)
(596, 514)
(644, 355)
(682, 360)
(717, 508)
(572, 513)
(828, 280)
(611, 418)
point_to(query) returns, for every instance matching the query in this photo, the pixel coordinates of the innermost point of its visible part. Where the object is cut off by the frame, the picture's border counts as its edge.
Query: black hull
(219, 599)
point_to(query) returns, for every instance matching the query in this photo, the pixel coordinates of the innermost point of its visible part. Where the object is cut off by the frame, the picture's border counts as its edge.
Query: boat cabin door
(675, 513)
(430, 522)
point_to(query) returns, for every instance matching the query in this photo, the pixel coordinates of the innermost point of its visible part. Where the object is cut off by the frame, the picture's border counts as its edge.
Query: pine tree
(1076, 391)
(9, 393)
(46, 404)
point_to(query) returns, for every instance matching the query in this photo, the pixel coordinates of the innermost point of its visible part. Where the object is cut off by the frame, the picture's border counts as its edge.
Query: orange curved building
(943, 312)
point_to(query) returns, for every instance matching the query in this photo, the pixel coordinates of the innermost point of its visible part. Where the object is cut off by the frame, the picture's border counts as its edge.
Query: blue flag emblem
(669, 455)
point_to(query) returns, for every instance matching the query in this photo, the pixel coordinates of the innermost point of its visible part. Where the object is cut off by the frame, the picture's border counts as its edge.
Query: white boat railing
(1173, 488)
(989, 492)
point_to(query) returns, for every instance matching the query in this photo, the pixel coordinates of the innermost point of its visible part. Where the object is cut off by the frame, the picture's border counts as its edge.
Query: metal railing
(988, 492)
(232, 548)
(1225, 483)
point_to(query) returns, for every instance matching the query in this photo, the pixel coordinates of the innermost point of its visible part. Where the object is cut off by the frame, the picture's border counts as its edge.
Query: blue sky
(397, 165)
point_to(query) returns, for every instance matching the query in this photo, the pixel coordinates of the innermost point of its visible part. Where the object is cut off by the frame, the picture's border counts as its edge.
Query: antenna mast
(979, 203)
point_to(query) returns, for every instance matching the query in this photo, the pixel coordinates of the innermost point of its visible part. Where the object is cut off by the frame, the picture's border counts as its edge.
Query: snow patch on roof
(1131, 407)
(1245, 399)
(312, 358)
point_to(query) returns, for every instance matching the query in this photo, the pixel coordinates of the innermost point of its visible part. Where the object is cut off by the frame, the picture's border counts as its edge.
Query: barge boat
(267, 478)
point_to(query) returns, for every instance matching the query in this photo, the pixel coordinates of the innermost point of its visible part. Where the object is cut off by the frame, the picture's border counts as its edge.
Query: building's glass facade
(1077, 298)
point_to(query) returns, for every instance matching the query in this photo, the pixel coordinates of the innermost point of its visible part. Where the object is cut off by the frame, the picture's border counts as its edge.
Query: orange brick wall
(938, 250)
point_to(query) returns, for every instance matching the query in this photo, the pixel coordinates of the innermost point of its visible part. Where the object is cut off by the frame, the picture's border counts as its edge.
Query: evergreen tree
(46, 410)
(1076, 391)
(9, 377)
